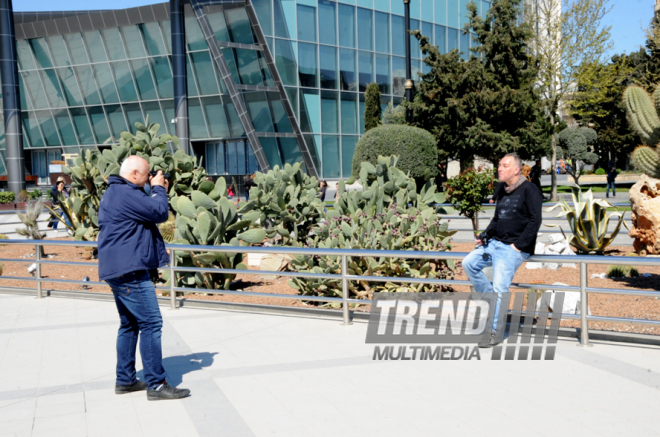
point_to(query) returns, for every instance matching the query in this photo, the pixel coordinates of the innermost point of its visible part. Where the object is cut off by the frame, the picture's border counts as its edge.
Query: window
(306, 23)
(328, 58)
(346, 25)
(327, 22)
(382, 32)
(348, 73)
(365, 28)
(308, 68)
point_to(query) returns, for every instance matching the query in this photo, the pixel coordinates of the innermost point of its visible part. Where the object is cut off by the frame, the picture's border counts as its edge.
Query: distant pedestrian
(611, 176)
(324, 189)
(535, 174)
(249, 183)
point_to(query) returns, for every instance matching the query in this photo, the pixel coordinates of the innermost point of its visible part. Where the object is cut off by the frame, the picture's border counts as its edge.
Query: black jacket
(517, 217)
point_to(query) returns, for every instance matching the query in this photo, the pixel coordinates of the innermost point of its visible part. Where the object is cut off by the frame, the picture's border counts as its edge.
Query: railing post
(37, 257)
(172, 281)
(344, 294)
(584, 307)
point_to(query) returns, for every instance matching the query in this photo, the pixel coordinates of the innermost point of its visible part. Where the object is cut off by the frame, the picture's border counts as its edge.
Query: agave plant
(588, 221)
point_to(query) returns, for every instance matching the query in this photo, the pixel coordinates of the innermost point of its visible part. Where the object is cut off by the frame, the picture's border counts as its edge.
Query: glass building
(284, 85)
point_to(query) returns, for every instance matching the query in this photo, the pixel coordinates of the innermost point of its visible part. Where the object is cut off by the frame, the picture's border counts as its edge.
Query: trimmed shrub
(35, 194)
(600, 171)
(372, 111)
(7, 196)
(415, 147)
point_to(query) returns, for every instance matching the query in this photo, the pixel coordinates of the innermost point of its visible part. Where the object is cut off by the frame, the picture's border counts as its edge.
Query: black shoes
(123, 389)
(166, 391)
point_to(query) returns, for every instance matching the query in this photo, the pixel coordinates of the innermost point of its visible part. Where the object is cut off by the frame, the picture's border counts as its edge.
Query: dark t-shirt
(517, 217)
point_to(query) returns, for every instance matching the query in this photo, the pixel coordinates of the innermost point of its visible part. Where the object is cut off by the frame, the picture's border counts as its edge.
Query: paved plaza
(269, 375)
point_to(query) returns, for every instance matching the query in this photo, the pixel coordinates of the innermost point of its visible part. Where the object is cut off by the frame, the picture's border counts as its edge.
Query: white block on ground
(254, 259)
(555, 238)
(571, 303)
(567, 251)
(555, 248)
(551, 266)
(569, 265)
(534, 266)
(539, 249)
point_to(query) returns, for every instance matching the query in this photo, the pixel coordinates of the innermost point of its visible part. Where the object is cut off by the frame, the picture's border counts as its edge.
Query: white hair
(132, 163)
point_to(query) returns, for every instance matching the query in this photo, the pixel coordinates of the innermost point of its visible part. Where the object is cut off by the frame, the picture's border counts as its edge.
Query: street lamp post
(409, 82)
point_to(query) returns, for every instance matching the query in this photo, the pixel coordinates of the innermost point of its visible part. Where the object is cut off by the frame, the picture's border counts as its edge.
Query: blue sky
(626, 18)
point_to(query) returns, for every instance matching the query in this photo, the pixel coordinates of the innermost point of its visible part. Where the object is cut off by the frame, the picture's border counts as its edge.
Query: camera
(483, 237)
(154, 173)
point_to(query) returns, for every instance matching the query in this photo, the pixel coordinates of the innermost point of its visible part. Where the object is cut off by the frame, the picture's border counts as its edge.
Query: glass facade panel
(235, 125)
(116, 120)
(95, 43)
(230, 58)
(88, 85)
(219, 26)
(452, 39)
(383, 75)
(196, 120)
(285, 61)
(133, 115)
(327, 22)
(441, 38)
(398, 36)
(166, 27)
(349, 115)
(382, 32)
(308, 65)
(52, 88)
(290, 151)
(163, 75)
(310, 119)
(398, 75)
(249, 67)
(365, 28)
(48, 128)
(33, 84)
(347, 70)
(143, 79)
(25, 59)
(346, 25)
(194, 35)
(114, 43)
(31, 129)
(70, 86)
(58, 49)
(239, 26)
(440, 12)
(329, 72)
(329, 112)
(427, 30)
(331, 162)
(220, 158)
(81, 124)
(292, 94)
(153, 38)
(264, 11)
(168, 111)
(306, 23)
(134, 44)
(203, 70)
(106, 83)
(366, 68)
(100, 124)
(152, 110)
(465, 46)
(285, 18)
(415, 52)
(210, 159)
(124, 81)
(348, 144)
(215, 114)
(282, 123)
(77, 48)
(41, 54)
(271, 150)
(257, 105)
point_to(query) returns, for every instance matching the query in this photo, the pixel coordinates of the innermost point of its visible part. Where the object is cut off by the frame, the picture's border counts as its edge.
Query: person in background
(569, 164)
(58, 190)
(249, 183)
(230, 191)
(535, 174)
(611, 176)
(324, 189)
(442, 176)
(526, 169)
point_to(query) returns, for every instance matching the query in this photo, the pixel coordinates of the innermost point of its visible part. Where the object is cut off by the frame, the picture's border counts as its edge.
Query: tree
(467, 192)
(568, 34)
(597, 103)
(372, 109)
(577, 144)
(488, 105)
(394, 115)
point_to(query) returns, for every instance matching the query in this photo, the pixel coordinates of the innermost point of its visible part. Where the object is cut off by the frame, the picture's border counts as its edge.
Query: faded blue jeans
(607, 190)
(136, 301)
(505, 261)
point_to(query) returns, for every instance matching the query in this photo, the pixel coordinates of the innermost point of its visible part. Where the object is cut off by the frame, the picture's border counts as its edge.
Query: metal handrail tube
(407, 280)
(258, 272)
(258, 294)
(642, 293)
(69, 263)
(19, 278)
(63, 281)
(622, 320)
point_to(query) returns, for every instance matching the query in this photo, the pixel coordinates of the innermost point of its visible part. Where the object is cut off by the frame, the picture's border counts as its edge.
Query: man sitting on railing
(510, 237)
(130, 245)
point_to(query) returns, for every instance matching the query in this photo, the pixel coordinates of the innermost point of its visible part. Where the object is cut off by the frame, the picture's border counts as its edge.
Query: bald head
(135, 170)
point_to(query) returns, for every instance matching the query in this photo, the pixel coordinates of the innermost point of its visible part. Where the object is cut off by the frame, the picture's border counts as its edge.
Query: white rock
(555, 238)
(551, 266)
(570, 265)
(599, 276)
(555, 248)
(534, 266)
(539, 249)
(254, 259)
(571, 303)
(567, 251)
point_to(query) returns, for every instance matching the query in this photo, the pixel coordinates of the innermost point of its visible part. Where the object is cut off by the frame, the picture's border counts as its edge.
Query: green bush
(415, 147)
(7, 196)
(600, 171)
(35, 194)
(467, 191)
(373, 113)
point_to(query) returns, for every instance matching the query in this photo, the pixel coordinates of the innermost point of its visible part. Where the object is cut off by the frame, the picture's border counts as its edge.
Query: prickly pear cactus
(642, 112)
(286, 203)
(387, 215)
(208, 217)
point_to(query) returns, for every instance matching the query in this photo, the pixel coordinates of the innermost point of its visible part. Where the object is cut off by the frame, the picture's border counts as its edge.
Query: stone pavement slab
(258, 375)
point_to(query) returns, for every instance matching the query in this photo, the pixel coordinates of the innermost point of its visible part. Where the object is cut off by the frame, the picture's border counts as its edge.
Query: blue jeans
(607, 190)
(504, 259)
(136, 301)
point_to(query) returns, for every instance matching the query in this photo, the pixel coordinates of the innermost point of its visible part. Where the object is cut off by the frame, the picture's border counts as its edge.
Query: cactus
(167, 228)
(643, 119)
(387, 215)
(208, 217)
(3, 237)
(286, 202)
(29, 219)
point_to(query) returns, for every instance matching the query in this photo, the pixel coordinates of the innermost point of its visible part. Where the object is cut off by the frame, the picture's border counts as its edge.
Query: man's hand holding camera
(159, 179)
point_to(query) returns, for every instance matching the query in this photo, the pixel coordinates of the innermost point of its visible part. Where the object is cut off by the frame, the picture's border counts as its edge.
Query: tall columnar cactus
(642, 111)
(209, 218)
(286, 202)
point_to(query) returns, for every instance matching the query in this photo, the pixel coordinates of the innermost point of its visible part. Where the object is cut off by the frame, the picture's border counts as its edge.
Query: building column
(11, 103)
(179, 74)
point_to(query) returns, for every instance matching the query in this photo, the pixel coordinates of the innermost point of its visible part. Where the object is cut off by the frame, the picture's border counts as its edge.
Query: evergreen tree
(488, 105)
(372, 109)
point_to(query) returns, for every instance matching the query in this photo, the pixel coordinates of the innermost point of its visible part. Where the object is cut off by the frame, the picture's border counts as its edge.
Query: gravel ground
(600, 304)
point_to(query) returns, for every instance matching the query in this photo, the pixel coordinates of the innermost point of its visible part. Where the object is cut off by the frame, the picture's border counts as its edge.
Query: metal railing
(344, 278)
